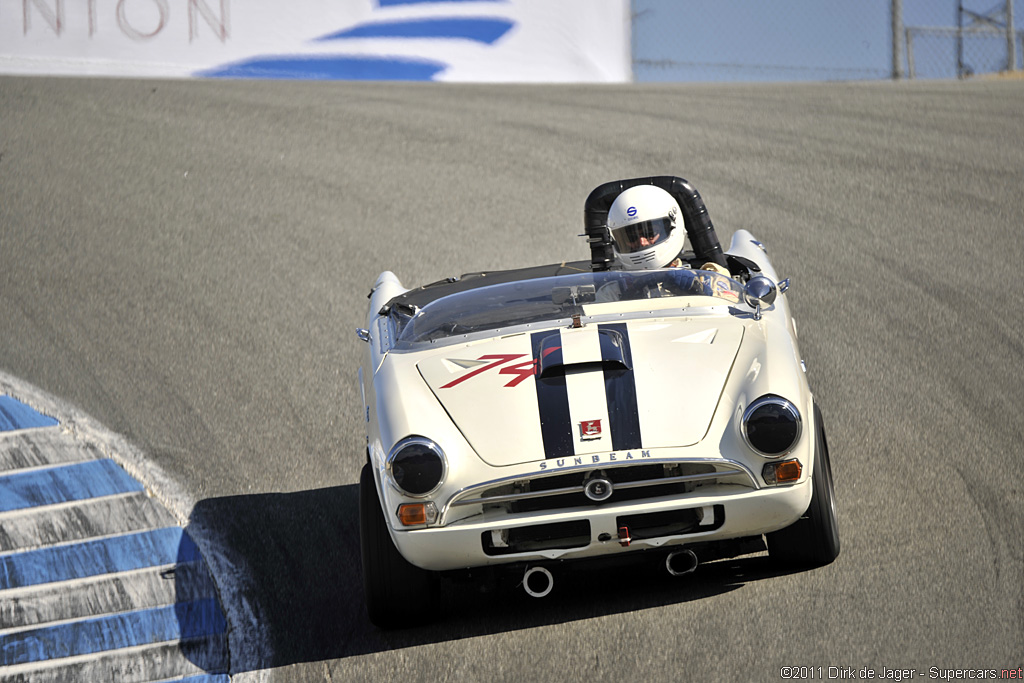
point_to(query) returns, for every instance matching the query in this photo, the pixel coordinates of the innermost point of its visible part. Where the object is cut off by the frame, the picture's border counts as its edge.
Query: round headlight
(771, 426)
(417, 466)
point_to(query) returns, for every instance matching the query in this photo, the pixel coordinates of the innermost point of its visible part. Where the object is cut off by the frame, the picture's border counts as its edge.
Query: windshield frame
(550, 301)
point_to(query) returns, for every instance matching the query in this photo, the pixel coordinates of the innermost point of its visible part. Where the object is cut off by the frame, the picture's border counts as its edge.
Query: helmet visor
(642, 235)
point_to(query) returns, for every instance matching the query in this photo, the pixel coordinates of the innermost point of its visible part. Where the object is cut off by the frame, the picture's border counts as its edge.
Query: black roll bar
(695, 218)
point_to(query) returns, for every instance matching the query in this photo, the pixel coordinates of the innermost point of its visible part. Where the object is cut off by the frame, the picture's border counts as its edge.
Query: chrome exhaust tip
(681, 562)
(538, 582)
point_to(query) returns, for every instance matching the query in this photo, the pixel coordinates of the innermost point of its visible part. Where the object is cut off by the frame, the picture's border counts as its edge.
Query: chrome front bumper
(727, 512)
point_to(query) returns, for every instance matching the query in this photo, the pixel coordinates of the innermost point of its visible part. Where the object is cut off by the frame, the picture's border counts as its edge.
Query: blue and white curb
(99, 579)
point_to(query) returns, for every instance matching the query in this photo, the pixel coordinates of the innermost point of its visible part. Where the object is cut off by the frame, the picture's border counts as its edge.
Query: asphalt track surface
(186, 262)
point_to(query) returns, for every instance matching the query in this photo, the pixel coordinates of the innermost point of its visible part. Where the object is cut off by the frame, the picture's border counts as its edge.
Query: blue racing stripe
(620, 388)
(552, 396)
(16, 415)
(79, 481)
(184, 621)
(480, 29)
(93, 558)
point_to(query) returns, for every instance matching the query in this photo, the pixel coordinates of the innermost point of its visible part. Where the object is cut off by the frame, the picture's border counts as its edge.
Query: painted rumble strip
(80, 481)
(184, 621)
(96, 580)
(92, 558)
(16, 415)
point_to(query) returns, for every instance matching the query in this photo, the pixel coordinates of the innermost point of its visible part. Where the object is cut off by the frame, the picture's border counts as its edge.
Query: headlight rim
(777, 400)
(413, 441)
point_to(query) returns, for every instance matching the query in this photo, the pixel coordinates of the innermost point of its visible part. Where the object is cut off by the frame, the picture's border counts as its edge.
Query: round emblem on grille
(598, 489)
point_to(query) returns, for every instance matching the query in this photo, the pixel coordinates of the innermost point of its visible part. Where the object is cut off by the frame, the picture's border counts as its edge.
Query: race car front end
(650, 434)
(676, 428)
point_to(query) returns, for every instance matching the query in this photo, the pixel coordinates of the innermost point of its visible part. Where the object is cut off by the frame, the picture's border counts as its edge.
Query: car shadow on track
(300, 552)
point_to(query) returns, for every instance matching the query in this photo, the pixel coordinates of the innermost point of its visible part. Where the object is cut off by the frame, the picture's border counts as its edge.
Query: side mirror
(760, 291)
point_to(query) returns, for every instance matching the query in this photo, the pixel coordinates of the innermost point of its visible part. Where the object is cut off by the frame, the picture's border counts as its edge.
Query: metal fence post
(897, 39)
(960, 39)
(1011, 38)
(911, 70)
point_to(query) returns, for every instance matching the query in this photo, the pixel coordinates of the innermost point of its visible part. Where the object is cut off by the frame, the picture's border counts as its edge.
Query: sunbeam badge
(590, 430)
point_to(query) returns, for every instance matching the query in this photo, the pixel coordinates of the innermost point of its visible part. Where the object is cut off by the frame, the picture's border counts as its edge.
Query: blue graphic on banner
(395, 3)
(485, 31)
(330, 68)
(482, 30)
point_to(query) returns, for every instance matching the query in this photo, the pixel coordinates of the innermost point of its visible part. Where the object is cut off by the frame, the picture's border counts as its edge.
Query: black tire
(813, 540)
(398, 594)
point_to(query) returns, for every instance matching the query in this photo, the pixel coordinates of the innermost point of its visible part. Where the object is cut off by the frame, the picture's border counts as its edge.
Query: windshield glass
(550, 299)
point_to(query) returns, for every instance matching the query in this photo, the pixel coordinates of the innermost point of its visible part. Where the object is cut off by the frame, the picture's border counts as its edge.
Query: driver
(646, 229)
(647, 233)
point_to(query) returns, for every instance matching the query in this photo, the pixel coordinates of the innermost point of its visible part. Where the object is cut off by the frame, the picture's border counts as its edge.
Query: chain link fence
(961, 38)
(821, 40)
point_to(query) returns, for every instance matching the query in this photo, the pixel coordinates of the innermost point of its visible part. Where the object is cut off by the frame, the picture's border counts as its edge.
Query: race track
(186, 262)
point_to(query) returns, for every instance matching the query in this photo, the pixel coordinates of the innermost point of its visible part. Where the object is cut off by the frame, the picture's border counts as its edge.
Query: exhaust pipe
(538, 582)
(681, 562)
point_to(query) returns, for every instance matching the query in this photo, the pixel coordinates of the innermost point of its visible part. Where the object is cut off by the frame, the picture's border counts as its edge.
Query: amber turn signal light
(417, 514)
(785, 472)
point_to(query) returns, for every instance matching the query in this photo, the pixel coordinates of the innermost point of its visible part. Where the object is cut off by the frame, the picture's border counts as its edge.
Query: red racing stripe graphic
(499, 359)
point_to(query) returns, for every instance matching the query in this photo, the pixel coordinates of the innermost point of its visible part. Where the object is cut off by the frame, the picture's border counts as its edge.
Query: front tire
(398, 593)
(813, 540)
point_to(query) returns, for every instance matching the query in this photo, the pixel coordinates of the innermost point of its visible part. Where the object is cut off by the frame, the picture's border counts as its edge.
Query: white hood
(602, 388)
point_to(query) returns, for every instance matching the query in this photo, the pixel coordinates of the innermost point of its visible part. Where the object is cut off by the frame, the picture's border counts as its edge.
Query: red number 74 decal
(521, 370)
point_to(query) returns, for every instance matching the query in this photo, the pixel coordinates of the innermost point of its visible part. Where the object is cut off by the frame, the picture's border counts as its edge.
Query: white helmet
(646, 228)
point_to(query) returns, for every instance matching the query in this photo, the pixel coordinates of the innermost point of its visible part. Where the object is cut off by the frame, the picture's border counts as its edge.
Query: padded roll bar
(695, 218)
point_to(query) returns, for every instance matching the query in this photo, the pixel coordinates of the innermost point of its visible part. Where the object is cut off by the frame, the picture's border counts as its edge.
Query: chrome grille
(565, 488)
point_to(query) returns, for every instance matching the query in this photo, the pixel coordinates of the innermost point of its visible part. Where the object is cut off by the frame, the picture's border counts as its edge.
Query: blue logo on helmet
(631, 211)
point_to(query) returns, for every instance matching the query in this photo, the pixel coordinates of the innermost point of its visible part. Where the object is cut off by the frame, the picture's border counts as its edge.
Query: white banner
(439, 40)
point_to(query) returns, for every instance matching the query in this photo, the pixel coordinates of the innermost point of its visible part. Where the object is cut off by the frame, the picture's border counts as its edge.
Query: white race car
(521, 420)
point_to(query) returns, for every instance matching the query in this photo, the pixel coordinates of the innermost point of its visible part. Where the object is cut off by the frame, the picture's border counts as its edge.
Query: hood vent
(613, 356)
